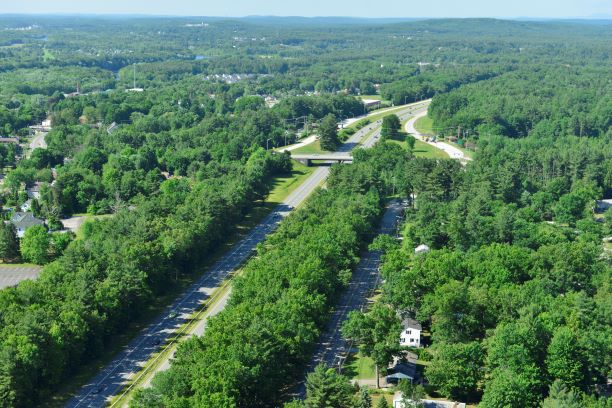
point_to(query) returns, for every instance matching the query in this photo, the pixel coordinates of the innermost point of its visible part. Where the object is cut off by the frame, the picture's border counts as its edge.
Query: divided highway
(112, 379)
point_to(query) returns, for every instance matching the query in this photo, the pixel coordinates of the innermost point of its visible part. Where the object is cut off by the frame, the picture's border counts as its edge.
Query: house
(24, 220)
(427, 403)
(34, 191)
(5, 140)
(404, 370)
(27, 205)
(411, 334)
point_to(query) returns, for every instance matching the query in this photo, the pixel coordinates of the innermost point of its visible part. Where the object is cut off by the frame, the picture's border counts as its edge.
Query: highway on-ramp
(110, 381)
(452, 151)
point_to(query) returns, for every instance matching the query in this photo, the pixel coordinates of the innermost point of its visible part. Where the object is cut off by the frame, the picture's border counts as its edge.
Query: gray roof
(24, 220)
(408, 323)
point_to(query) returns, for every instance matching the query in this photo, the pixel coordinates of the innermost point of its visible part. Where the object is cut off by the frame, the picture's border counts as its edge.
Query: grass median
(281, 187)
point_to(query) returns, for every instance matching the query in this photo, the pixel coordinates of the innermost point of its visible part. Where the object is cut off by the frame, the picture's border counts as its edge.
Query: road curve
(452, 151)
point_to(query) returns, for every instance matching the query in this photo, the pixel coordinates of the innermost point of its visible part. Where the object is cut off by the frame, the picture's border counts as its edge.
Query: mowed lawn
(424, 125)
(422, 149)
(361, 368)
(312, 148)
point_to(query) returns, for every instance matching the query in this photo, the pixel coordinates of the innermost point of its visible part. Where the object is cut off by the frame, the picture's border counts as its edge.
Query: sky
(310, 8)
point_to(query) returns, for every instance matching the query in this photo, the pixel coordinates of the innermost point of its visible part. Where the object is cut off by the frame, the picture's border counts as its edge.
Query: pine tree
(9, 244)
(382, 403)
(328, 133)
(365, 401)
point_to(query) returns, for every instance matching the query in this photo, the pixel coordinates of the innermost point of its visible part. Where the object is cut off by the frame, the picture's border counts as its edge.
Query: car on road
(99, 389)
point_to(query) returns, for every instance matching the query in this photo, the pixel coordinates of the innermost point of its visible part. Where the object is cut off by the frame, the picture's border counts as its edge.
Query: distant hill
(307, 21)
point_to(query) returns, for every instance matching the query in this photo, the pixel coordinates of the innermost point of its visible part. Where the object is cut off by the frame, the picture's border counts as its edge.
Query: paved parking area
(11, 275)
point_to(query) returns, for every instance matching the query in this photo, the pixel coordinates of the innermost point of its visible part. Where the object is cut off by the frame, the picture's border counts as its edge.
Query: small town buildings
(411, 333)
(24, 220)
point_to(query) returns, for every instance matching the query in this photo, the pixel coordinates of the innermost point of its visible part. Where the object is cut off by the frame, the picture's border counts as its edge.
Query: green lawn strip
(424, 150)
(467, 152)
(424, 125)
(377, 116)
(311, 148)
(361, 368)
(373, 97)
(4, 265)
(282, 186)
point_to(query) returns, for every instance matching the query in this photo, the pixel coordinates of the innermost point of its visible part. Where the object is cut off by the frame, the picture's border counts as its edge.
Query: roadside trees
(35, 245)
(9, 244)
(327, 389)
(328, 133)
(377, 333)
(390, 127)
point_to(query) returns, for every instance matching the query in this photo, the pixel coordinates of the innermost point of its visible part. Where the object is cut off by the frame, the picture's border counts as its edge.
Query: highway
(128, 363)
(332, 348)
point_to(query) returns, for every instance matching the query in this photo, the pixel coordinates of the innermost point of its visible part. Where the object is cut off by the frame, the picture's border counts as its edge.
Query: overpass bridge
(337, 157)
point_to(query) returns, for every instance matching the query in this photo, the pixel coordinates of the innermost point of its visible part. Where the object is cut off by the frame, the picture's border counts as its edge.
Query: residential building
(411, 333)
(24, 220)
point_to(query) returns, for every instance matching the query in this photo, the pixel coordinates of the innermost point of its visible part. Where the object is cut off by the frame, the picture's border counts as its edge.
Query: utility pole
(267, 143)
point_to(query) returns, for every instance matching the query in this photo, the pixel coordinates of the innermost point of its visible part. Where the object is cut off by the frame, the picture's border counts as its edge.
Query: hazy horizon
(395, 9)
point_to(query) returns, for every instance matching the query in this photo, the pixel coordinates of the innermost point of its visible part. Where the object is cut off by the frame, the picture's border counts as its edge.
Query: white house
(411, 334)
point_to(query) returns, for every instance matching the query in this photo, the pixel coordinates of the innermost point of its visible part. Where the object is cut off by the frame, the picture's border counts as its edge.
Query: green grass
(377, 97)
(281, 187)
(377, 116)
(47, 55)
(362, 368)
(422, 149)
(17, 265)
(466, 152)
(312, 148)
(424, 125)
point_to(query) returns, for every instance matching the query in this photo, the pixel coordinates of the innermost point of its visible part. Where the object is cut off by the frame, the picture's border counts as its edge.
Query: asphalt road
(450, 150)
(414, 109)
(112, 378)
(332, 349)
(11, 275)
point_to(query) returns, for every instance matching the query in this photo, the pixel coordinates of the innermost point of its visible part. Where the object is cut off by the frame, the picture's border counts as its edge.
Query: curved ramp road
(127, 364)
(449, 149)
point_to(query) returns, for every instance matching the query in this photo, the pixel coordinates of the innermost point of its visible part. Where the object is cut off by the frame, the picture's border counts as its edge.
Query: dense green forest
(517, 283)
